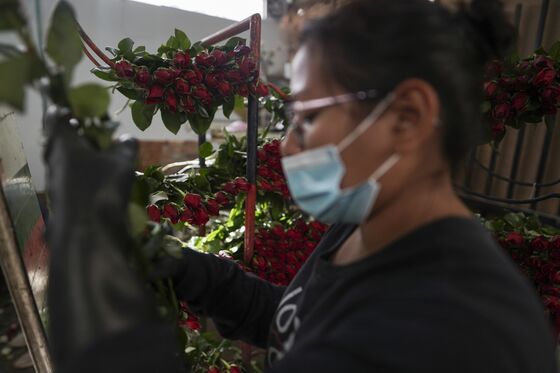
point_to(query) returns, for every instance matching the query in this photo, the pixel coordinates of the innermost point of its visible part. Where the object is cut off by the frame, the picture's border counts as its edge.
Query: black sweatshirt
(443, 298)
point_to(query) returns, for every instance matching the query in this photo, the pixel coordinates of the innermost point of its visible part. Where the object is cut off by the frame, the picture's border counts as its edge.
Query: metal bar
(516, 158)
(92, 45)
(20, 290)
(232, 30)
(201, 140)
(542, 162)
(490, 173)
(542, 23)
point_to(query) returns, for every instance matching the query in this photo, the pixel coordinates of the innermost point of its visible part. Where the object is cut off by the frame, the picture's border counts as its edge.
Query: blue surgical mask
(314, 178)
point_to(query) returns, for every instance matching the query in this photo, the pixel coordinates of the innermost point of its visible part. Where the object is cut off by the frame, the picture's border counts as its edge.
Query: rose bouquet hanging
(183, 81)
(519, 91)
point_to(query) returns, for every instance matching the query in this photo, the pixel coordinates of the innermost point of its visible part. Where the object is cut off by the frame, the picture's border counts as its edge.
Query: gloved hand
(93, 295)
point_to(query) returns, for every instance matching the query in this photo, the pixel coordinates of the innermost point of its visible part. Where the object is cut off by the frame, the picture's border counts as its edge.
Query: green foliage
(64, 45)
(205, 150)
(173, 120)
(142, 114)
(89, 100)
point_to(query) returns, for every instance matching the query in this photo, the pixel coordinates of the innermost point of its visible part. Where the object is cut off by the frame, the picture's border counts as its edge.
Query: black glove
(93, 295)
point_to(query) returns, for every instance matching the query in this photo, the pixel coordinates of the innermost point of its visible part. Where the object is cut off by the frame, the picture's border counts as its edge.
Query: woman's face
(332, 124)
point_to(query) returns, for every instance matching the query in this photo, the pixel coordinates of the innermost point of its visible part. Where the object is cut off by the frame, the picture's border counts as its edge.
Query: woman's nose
(290, 145)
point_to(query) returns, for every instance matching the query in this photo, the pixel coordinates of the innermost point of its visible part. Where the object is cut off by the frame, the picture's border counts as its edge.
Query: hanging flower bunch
(535, 248)
(183, 82)
(522, 91)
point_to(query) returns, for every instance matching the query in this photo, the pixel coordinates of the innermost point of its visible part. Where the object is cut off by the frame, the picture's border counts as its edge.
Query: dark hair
(369, 44)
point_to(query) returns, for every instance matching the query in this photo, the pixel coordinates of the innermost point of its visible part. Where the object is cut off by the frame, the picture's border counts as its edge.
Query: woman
(387, 99)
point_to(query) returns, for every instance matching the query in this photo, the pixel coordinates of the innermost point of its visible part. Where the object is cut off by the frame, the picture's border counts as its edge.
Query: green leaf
(11, 17)
(105, 74)
(14, 73)
(89, 100)
(198, 124)
(239, 103)
(227, 108)
(137, 218)
(64, 45)
(233, 42)
(125, 45)
(142, 114)
(158, 196)
(182, 40)
(131, 93)
(172, 42)
(205, 150)
(172, 121)
(555, 51)
(196, 48)
(203, 113)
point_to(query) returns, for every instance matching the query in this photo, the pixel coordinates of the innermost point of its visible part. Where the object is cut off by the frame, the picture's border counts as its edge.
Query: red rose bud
(519, 102)
(182, 87)
(171, 100)
(193, 324)
(142, 76)
(201, 217)
(155, 96)
(164, 76)
(498, 129)
(187, 216)
(204, 59)
(261, 89)
(246, 66)
(544, 77)
(501, 111)
(551, 95)
(219, 57)
(490, 88)
(171, 213)
(188, 104)
(234, 369)
(224, 88)
(543, 62)
(202, 95)
(181, 59)
(242, 184)
(242, 50)
(211, 80)
(213, 370)
(193, 200)
(221, 198)
(555, 243)
(213, 207)
(243, 90)
(192, 76)
(514, 239)
(124, 69)
(540, 244)
(233, 76)
(278, 231)
(230, 188)
(153, 213)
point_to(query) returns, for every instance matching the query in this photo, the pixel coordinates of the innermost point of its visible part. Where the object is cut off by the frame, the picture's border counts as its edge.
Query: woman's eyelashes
(308, 118)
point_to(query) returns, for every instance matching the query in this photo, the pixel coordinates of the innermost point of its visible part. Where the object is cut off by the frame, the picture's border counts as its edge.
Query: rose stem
(283, 96)
(93, 47)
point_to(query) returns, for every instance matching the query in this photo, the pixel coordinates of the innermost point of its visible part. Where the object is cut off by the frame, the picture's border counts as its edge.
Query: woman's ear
(417, 110)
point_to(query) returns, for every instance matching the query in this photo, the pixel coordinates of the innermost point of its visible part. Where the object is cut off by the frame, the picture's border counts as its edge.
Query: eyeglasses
(294, 109)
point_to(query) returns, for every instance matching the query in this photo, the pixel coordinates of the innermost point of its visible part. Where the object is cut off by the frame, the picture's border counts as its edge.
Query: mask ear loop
(367, 122)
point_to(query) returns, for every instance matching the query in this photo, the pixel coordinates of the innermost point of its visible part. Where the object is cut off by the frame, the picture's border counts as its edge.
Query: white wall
(107, 22)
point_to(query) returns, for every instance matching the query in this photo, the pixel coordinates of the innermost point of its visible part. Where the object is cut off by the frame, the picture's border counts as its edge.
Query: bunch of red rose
(539, 259)
(280, 253)
(189, 82)
(270, 176)
(196, 210)
(522, 94)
